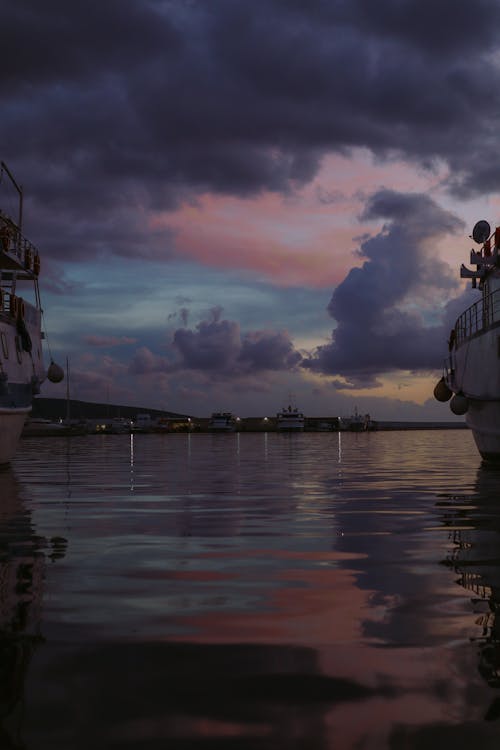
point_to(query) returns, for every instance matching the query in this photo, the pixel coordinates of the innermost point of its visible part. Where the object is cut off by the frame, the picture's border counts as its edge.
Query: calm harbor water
(267, 591)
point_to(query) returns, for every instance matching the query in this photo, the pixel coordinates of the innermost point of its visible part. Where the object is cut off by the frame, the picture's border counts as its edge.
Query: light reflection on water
(250, 591)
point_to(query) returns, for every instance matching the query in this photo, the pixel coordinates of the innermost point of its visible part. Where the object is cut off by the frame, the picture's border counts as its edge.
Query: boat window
(5, 347)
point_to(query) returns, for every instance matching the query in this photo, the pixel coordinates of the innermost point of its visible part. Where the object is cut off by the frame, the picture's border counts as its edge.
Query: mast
(68, 408)
(19, 190)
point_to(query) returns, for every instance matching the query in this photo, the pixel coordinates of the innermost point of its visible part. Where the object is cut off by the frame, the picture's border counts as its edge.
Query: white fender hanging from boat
(459, 404)
(441, 391)
(55, 373)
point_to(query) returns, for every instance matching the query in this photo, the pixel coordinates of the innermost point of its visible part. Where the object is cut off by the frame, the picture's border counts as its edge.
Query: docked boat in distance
(39, 427)
(21, 359)
(222, 421)
(290, 419)
(356, 422)
(471, 378)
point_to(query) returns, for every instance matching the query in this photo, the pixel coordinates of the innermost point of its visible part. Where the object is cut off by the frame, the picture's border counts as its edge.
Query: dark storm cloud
(214, 345)
(110, 107)
(217, 348)
(387, 311)
(268, 351)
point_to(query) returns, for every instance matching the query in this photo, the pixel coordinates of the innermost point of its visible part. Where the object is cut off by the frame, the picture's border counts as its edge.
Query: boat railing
(16, 246)
(478, 317)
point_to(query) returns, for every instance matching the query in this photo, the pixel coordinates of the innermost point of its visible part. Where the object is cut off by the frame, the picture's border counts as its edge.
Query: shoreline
(250, 425)
(60, 417)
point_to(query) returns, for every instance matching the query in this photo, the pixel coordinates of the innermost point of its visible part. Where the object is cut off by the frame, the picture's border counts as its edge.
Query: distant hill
(56, 408)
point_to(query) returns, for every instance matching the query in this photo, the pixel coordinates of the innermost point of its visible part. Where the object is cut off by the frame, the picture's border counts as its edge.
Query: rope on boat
(46, 334)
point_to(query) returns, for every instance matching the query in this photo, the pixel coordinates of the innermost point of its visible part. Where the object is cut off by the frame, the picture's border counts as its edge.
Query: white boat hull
(20, 368)
(21, 358)
(290, 425)
(483, 418)
(11, 425)
(290, 419)
(222, 422)
(475, 373)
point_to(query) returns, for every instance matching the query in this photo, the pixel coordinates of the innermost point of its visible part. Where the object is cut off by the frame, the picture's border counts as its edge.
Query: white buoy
(459, 404)
(441, 391)
(55, 373)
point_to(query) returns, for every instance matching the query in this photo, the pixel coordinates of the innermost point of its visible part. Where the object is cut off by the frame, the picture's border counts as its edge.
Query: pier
(49, 417)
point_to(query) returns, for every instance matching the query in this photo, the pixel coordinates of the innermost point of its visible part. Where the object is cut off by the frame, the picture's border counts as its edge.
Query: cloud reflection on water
(258, 590)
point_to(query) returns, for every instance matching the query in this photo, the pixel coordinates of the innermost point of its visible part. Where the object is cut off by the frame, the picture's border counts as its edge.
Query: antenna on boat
(481, 232)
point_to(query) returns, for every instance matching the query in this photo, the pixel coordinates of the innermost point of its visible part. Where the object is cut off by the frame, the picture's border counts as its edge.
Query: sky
(242, 203)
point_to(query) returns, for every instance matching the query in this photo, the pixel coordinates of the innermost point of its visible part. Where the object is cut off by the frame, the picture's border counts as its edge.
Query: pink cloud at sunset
(263, 236)
(306, 238)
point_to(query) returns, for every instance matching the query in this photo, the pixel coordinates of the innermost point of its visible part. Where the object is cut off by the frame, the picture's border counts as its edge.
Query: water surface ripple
(250, 591)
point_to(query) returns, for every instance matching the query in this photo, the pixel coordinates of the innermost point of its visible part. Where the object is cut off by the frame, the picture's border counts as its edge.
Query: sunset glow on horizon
(222, 223)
